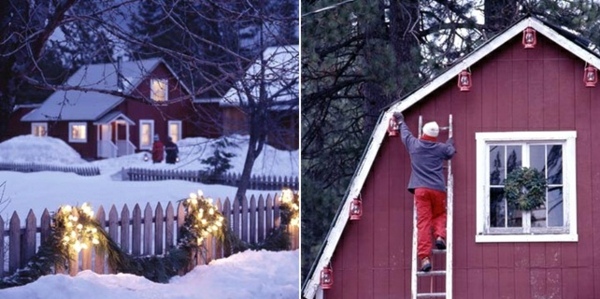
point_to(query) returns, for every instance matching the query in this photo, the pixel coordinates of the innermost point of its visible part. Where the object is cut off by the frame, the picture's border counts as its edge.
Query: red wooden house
(99, 123)
(526, 106)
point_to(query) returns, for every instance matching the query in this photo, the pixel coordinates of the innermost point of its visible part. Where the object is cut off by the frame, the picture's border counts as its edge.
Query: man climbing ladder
(428, 185)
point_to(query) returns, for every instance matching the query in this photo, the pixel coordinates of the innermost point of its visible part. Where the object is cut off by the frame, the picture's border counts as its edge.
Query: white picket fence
(147, 231)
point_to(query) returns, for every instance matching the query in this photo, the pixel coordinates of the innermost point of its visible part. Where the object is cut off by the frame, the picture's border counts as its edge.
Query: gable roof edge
(312, 283)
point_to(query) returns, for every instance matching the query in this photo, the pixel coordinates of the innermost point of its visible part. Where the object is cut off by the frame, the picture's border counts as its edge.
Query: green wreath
(525, 188)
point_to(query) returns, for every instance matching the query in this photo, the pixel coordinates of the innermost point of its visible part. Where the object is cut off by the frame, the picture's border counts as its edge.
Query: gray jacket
(427, 160)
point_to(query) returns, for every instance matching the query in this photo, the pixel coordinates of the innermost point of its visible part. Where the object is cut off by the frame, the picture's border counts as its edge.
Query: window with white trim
(553, 154)
(39, 129)
(146, 133)
(174, 130)
(78, 132)
(159, 90)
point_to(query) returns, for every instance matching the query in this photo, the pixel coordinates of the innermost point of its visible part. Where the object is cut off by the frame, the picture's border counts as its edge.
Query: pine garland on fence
(74, 229)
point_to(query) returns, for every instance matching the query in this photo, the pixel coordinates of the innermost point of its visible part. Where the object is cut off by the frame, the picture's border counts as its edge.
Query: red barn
(525, 107)
(99, 123)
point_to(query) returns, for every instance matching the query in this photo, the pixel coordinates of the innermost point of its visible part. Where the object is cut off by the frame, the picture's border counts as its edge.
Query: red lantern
(392, 127)
(590, 76)
(529, 38)
(326, 278)
(464, 81)
(355, 209)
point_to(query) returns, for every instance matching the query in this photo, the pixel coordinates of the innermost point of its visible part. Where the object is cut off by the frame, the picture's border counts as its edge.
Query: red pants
(431, 215)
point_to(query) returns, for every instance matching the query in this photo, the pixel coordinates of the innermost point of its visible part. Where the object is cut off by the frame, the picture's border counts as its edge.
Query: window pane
(555, 164)
(555, 206)
(146, 138)
(158, 90)
(514, 159)
(497, 164)
(500, 214)
(78, 132)
(174, 131)
(497, 208)
(538, 217)
(537, 157)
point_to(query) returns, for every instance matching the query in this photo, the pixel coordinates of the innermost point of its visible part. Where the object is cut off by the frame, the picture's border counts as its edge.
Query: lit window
(551, 153)
(175, 130)
(146, 133)
(39, 129)
(78, 132)
(158, 90)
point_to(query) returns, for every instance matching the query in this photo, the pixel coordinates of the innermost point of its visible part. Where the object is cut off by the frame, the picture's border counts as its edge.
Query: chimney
(120, 85)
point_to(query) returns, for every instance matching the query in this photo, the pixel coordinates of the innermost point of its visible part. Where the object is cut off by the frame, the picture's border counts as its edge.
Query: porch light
(590, 76)
(529, 38)
(464, 81)
(326, 278)
(392, 127)
(356, 209)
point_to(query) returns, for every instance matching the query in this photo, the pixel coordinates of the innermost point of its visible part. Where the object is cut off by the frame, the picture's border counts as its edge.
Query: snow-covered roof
(281, 67)
(311, 286)
(82, 105)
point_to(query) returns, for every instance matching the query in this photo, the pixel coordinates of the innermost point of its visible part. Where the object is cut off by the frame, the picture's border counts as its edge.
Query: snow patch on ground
(248, 275)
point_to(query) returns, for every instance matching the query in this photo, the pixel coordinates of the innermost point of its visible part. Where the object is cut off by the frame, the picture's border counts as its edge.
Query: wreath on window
(525, 188)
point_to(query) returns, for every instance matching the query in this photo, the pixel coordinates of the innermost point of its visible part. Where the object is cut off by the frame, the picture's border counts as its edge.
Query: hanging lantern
(392, 127)
(529, 38)
(590, 76)
(326, 278)
(464, 81)
(355, 209)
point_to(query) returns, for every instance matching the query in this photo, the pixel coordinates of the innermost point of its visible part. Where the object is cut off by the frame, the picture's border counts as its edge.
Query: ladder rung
(439, 251)
(428, 295)
(432, 273)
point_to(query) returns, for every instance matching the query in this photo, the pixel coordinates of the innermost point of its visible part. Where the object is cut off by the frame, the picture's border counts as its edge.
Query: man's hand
(399, 117)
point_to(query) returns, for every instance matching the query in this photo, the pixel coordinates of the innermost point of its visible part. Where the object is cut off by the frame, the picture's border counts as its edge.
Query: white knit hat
(431, 129)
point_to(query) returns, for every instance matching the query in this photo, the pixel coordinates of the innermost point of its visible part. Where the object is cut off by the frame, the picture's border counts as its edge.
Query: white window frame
(154, 94)
(35, 125)
(179, 124)
(77, 140)
(568, 140)
(142, 123)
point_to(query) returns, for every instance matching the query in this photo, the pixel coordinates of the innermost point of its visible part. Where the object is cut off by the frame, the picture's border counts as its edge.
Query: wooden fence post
(158, 230)
(14, 235)
(29, 243)
(261, 219)
(169, 224)
(125, 229)
(148, 230)
(99, 259)
(136, 231)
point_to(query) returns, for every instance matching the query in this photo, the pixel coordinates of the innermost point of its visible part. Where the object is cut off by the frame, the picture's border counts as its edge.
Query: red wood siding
(15, 126)
(513, 90)
(87, 150)
(284, 134)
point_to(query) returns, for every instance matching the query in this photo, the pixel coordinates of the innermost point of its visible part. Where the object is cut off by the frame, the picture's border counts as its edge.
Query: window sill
(525, 238)
(78, 140)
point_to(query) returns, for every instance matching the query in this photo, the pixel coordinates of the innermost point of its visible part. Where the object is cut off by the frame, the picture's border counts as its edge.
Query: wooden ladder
(419, 276)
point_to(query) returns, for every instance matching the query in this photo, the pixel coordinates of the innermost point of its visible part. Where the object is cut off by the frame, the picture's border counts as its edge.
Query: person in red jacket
(428, 185)
(157, 150)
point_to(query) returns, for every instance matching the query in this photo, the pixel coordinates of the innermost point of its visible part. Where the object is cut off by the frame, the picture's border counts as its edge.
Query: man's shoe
(425, 265)
(440, 243)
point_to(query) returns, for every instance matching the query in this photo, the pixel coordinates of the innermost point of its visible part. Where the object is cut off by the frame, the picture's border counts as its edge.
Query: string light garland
(78, 226)
(203, 219)
(290, 207)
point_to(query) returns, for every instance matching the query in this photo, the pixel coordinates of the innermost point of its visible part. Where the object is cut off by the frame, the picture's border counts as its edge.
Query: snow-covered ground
(49, 190)
(245, 275)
